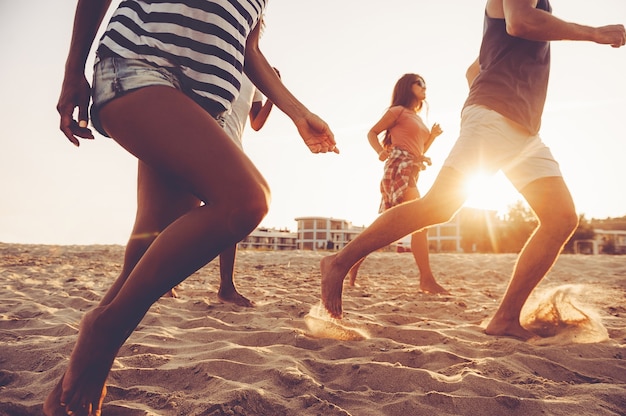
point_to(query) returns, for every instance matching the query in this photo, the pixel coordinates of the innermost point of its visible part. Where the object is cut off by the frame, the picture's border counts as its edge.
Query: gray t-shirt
(514, 72)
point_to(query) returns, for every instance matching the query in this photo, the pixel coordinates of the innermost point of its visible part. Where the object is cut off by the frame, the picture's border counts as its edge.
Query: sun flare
(490, 192)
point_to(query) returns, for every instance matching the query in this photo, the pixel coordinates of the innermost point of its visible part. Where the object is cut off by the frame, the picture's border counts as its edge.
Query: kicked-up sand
(396, 352)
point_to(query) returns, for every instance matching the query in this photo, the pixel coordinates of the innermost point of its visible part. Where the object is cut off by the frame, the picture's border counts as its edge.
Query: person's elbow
(255, 124)
(472, 72)
(519, 27)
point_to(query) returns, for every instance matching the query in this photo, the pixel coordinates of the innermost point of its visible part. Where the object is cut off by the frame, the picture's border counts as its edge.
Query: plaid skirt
(401, 171)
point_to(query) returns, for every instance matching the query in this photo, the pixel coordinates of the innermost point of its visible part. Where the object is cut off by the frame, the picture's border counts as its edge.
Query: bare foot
(352, 275)
(433, 287)
(53, 407)
(81, 390)
(354, 271)
(234, 297)
(508, 329)
(332, 286)
(171, 294)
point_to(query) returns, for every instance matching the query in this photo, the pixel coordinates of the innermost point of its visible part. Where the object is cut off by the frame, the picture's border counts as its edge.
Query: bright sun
(491, 193)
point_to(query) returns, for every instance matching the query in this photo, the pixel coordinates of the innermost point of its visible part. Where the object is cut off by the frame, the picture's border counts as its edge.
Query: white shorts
(489, 142)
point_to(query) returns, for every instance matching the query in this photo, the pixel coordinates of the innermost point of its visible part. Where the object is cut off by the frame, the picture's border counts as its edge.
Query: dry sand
(416, 354)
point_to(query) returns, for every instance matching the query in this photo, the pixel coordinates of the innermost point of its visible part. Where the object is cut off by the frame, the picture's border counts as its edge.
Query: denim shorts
(113, 77)
(489, 142)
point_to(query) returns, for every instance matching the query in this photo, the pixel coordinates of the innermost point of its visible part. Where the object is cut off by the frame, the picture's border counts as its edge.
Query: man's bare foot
(234, 297)
(332, 286)
(508, 329)
(81, 390)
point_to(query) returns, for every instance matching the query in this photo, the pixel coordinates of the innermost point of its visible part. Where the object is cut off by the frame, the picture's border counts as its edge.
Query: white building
(441, 238)
(601, 241)
(322, 233)
(269, 239)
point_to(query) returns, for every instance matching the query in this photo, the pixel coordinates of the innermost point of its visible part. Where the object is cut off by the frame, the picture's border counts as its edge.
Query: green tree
(476, 230)
(584, 231)
(516, 227)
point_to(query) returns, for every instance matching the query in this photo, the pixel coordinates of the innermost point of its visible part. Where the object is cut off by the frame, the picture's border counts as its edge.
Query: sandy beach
(414, 354)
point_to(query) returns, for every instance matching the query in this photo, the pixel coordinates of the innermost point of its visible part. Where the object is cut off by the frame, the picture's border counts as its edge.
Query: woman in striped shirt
(165, 72)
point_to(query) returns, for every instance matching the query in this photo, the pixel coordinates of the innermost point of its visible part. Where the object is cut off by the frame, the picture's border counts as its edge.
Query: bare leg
(419, 248)
(552, 203)
(158, 204)
(228, 292)
(445, 197)
(354, 271)
(160, 201)
(170, 133)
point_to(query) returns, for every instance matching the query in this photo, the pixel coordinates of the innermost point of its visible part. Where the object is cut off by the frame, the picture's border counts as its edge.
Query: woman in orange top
(406, 140)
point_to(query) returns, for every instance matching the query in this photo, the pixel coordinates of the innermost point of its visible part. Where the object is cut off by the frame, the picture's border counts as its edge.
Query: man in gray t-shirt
(508, 80)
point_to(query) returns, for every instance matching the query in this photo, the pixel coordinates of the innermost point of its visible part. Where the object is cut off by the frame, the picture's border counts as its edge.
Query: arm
(525, 21)
(75, 90)
(386, 122)
(259, 112)
(315, 132)
(434, 133)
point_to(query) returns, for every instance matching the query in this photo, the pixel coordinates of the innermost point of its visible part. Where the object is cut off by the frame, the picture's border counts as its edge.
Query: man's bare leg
(445, 197)
(552, 203)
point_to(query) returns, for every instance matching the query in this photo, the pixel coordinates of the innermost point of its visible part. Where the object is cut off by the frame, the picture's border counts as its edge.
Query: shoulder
(396, 110)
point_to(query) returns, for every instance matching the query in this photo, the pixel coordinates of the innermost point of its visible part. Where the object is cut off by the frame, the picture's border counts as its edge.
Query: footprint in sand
(321, 325)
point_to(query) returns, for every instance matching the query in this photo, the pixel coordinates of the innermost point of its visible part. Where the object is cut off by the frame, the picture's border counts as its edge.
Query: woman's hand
(384, 154)
(75, 92)
(316, 134)
(435, 130)
(423, 161)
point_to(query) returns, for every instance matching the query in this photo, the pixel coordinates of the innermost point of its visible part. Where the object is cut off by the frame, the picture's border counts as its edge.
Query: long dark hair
(402, 95)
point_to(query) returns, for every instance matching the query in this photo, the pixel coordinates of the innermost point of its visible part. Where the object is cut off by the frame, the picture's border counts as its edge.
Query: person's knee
(562, 224)
(255, 209)
(569, 222)
(247, 210)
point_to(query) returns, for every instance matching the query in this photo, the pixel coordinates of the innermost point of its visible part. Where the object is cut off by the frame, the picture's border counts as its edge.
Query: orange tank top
(409, 131)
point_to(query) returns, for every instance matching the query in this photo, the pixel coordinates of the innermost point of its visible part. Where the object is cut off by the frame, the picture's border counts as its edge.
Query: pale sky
(340, 58)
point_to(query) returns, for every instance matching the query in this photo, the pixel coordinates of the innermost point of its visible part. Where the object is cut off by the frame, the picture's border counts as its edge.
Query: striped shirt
(201, 40)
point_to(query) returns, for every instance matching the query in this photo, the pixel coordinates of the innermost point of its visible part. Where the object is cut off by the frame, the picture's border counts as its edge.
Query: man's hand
(614, 35)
